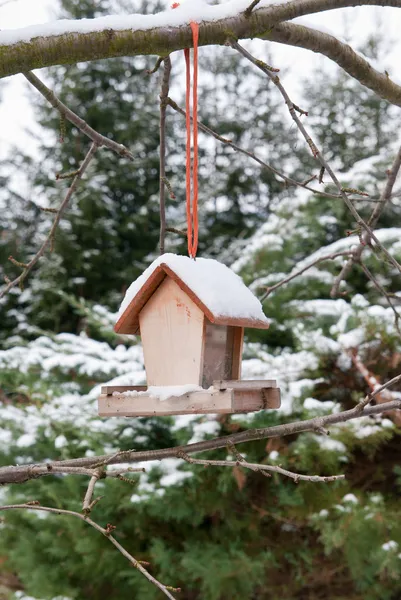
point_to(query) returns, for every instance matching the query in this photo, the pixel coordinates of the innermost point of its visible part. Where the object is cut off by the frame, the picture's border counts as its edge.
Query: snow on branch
(71, 41)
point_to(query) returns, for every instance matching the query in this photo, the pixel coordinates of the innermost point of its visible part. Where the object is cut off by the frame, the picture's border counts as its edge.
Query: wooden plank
(244, 384)
(202, 402)
(237, 352)
(256, 399)
(146, 405)
(172, 335)
(271, 398)
(108, 390)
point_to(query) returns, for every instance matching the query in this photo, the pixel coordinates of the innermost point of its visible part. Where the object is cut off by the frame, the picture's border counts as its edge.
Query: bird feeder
(191, 316)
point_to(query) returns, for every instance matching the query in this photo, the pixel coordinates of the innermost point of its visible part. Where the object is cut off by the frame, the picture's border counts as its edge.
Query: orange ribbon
(192, 203)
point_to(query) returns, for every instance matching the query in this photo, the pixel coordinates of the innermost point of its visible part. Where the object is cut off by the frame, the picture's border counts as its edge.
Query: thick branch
(342, 54)
(73, 47)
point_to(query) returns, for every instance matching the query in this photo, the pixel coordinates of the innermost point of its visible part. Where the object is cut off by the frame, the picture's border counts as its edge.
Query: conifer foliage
(216, 533)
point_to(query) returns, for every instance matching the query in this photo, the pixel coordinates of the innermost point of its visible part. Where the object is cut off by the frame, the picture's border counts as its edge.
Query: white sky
(16, 114)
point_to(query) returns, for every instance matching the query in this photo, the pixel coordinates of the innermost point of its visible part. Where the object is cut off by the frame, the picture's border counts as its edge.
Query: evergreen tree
(217, 533)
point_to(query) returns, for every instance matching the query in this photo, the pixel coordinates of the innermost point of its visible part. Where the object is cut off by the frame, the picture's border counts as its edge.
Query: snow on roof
(213, 287)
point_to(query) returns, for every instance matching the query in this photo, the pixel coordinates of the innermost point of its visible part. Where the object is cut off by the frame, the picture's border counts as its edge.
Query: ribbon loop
(192, 204)
(192, 167)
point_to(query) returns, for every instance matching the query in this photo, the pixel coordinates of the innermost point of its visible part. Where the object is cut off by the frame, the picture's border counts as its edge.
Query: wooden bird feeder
(191, 316)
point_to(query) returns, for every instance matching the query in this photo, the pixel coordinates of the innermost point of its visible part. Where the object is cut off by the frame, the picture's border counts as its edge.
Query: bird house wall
(172, 336)
(222, 353)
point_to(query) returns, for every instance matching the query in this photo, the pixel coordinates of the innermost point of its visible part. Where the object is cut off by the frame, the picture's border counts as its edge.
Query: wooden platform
(225, 397)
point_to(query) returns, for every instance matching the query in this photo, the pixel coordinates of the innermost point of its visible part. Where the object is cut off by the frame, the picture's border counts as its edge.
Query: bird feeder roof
(216, 290)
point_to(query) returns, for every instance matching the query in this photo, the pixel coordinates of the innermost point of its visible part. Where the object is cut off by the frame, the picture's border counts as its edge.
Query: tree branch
(261, 467)
(293, 110)
(47, 50)
(106, 532)
(340, 53)
(22, 473)
(289, 181)
(382, 291)
(372, 222)
(295, 274)
(99, 139)
(27, 268)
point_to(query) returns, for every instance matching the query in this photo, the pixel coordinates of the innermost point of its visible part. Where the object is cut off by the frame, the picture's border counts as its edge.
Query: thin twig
(293, 275)
(315, 151)
(99, 139)
(89, 493)
(260, 467)
(157, 66)
(165, 87)
(381, 289)
(251, 7)
(50, 237)
(106, 532)
(177, 231)
(288, 180)
(372, 222)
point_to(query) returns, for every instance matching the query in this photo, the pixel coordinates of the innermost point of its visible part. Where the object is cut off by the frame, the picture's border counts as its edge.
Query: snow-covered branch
(72, 41)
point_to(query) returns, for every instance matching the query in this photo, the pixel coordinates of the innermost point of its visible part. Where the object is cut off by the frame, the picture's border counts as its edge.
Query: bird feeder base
(224, 397)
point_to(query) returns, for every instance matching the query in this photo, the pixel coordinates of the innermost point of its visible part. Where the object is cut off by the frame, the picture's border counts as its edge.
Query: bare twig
(89, 493)
(105, 531)
(50, 238)
(288, 180)
(97, 138)
(316, 152)
(372, 222)
(157, 66)
(260, 467)
(295, 274)
(381, 289)
(251, 7)
(163, 107)
(177, 231)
